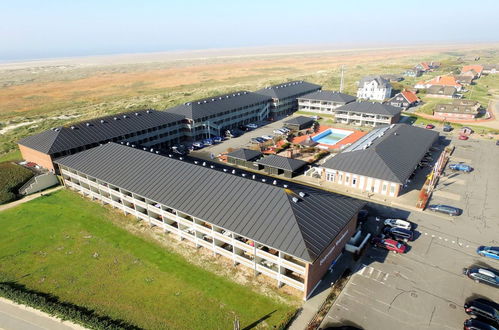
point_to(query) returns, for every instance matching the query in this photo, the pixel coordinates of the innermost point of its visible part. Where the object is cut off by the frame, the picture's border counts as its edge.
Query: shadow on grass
(64, 310)
(263, 318)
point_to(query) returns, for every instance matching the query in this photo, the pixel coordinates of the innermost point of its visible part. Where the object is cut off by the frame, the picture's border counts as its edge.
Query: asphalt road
(425, 288)
(14, 317)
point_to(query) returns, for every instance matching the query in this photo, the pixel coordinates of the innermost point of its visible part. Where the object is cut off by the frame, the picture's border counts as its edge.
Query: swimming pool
(331, 136)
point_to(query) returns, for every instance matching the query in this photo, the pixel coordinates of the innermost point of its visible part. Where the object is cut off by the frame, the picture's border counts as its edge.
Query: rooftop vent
(73, 127)
(243, 175)
(88, 124)
(275, 182)
(152, 150)
(136, 113)
(102, 121)
(204, 164)
(196, 162)
(148, 111)
(115, 118)
(295, 200)
(125, 116)
(264, 180)
(395, 133)
(133, 145)
(157, 152)
(253, 177)
(144, 149)
(181, 158)
(285, 185)
(233, 171)
(225, 170)
(302, 194)
(211, 166)
(199, 102)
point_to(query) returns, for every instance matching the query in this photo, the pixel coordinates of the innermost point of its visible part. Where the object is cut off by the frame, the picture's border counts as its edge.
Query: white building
(374, 88)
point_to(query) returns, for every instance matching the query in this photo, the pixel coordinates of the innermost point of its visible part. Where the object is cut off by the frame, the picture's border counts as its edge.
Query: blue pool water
(331, 136)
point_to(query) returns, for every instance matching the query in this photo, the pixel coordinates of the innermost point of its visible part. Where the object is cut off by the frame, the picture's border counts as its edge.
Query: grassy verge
(11, 156)
(12, 177)
(67, 246)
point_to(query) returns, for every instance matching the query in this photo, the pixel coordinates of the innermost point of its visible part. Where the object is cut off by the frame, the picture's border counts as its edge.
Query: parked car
(487, 302)
(461, 167)
(252, 126)
(463, 137)
(278, 132)
(474, 324)
(399, 234)
(488, 251)
(217, 139)
(497, 143)
(484, 275)
(389, 244)
(179, 150)
(208, 142)
(267, 137)
(198, 145)
(256, 140)
(482, 311)
(398, 223)
(430, 126)
(450, 210)
(447, 128)
(285, 129)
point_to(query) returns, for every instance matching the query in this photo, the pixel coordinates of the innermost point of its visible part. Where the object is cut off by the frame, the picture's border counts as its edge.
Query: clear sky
(58, 28)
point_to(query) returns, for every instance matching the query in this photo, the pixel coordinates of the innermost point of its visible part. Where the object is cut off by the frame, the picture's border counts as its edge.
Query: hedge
(12, 177)
(63, 310)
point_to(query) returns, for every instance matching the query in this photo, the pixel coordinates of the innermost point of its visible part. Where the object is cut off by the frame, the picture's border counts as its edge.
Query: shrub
(53, 306)
(12, 177)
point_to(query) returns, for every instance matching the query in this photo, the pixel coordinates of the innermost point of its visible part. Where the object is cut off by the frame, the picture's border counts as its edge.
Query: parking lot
(425, 287)
(243, 141)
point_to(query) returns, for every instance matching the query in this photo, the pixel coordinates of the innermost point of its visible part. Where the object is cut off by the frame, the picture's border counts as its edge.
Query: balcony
(293, 283)
(292, 266)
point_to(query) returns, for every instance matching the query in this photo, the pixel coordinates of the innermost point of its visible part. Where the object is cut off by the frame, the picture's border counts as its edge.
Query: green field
(77, 250)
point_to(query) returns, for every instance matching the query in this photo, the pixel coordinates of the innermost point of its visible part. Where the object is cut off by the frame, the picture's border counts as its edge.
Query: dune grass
(67, 246)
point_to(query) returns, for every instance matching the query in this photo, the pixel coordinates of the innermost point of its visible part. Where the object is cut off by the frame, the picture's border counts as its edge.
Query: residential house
(490, 69)
(323, 101)
(374, 88)
(414, 72)
(367, 114)
(472, 69)
(423, 66)
(404, 100)
(444, 81)
(392, 77)
(458, 109)
(382, 161)
(465, 79)
(447, 92)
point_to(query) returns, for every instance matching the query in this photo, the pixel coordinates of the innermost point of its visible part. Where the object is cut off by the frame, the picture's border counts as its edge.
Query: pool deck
(347, 140)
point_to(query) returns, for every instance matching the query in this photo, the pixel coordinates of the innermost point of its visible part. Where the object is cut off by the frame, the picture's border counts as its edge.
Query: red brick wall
(316, 270)
(37, 157)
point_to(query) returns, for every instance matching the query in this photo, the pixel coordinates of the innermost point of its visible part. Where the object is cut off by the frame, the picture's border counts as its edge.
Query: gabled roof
(332, 96)
(441, 90)
(380, 81)
(262, 212)
(465, 79)
(289, 89)
(244, 154)
(409, 96)
(425, 66)
(218, 104)
(475, 67)
(97, 130)
(283, 163)
(387, 153)
(371, 107)
(300, 120)
(442, 81)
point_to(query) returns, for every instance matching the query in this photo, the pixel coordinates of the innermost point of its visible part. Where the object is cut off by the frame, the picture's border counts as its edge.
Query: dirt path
(28, 198)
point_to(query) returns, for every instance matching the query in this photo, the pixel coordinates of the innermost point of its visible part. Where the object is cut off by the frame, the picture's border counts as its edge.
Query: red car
(389, 244)
(430, 126)
(463, 137)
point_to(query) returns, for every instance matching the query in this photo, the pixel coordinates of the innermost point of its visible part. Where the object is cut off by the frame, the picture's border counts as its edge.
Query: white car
(278, 131)
(398, 223)
(253, 126)
(267, 137)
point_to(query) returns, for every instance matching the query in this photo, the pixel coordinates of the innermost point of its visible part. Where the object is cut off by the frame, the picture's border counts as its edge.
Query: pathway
(14, 316)
(28, 198)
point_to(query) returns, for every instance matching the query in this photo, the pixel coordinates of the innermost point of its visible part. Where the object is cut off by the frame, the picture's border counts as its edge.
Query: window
(354, 181)
(384, 187)
(392, 190)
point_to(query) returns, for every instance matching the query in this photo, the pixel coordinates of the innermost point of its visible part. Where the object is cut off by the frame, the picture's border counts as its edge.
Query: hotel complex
(290, 233)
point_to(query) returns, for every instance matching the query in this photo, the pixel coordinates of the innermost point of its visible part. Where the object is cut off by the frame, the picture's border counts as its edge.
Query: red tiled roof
(476, 68)
(443, 81)
(425, 65)
(410, 96)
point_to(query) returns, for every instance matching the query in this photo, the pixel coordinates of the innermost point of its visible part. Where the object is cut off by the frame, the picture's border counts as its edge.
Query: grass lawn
(68, 246)
(11, 156)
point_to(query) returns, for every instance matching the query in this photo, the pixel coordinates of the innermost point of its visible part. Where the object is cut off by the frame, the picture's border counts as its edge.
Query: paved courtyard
(425, 288)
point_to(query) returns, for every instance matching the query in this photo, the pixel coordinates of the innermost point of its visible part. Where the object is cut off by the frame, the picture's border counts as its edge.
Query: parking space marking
(447, 240)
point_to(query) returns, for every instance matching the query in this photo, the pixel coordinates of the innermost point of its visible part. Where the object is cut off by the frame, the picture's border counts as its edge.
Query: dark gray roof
(332, 96)
(283, 163)
(464, 79)
(289, 89)
(441, 90)
(382, 82)
(97, 130)
(244, 154)
(300, 120)
(393, 156)
(371, 107)
(218, 104)
(260, 211)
